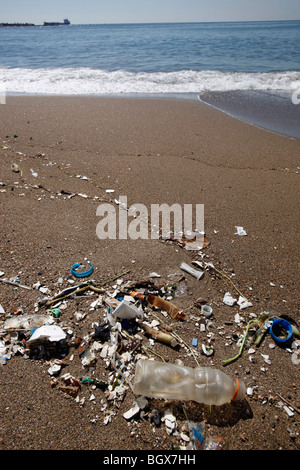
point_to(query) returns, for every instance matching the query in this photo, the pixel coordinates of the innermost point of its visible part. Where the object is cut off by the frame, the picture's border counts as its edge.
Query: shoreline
(264, 111)
(153, 151)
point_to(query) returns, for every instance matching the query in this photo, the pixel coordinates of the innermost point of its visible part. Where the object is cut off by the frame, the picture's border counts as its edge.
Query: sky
(146, 11)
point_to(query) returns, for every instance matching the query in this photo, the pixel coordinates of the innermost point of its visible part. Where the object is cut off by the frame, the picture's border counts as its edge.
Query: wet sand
(152, 151)
(276, 112)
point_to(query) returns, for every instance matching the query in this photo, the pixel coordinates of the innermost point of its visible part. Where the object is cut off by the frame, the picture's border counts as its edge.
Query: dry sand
(152, 151)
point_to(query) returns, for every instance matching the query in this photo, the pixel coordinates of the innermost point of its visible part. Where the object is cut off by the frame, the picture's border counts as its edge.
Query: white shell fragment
(296, 358)
(170, 421)
(266, 358)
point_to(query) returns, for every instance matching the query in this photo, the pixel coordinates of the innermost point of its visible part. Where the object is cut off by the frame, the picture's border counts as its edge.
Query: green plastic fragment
(98, 383)
(55, 312)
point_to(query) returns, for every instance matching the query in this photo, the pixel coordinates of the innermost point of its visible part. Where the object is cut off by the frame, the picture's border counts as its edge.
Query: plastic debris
(69, 385)
(162, 304)
(127, 311)
(170, 381)
(34, 173)
(3, 353)
(102, 332)
(207, 351)
(129, 326)
(288, 410)
(81, 274)
(160, 336)
(181, 290)
(27, 322)
(243, 303)
(240, 231)
(192, 271)
(263, 324)
(87, 357)
(194, 243)
(281, 330)
(200, 440)
(132, 412)
(55, 312)
(54, 368)
(206, 310)
(14, 283)
(97, 383)
(138, 406)
(47, 333)
(228, 299)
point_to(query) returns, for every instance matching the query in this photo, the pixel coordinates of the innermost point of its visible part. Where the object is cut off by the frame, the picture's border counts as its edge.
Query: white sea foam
(88, 81)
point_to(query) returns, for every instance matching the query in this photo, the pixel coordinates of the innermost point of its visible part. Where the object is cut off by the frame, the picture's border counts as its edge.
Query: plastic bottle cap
(285, 325)
(206, 310)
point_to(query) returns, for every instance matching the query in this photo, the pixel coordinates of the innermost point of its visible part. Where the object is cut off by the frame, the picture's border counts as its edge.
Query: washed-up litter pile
(133, 316)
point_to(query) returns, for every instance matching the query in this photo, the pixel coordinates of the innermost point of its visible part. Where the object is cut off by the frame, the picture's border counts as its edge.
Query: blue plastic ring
(84, 274)
(282, 324)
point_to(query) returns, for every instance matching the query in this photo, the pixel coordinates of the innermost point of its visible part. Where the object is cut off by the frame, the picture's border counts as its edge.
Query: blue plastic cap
(81, 274)
(281, 323)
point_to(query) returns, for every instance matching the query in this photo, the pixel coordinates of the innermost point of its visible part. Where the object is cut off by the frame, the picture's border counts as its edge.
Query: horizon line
(154, 22)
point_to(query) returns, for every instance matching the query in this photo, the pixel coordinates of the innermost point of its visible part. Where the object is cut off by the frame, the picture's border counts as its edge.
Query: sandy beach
(70, 151)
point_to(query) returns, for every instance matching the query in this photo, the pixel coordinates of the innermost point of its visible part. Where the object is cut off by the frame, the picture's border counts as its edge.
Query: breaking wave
(88, 81)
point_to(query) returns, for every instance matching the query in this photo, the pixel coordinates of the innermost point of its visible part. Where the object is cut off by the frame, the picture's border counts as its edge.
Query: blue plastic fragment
(195, 342)
(82, 274)
(285, 325)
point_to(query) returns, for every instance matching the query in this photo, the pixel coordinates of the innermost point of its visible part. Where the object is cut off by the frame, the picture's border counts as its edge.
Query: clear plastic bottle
(171, 381)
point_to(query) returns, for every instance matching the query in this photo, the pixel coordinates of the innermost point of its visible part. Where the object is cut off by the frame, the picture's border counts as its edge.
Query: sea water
(248, 69)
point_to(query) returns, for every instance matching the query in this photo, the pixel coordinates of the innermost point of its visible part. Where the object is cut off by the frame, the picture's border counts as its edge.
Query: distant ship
(66, 22)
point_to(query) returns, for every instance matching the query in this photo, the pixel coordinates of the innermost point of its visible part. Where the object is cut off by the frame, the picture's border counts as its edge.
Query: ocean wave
(87, 81)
